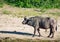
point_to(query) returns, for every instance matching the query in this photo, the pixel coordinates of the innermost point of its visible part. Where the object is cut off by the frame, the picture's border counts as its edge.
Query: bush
(34, 3)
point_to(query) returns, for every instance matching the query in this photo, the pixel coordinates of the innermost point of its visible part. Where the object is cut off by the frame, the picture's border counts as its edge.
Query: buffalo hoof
(48, 36)
(33, 35)
(40, 36)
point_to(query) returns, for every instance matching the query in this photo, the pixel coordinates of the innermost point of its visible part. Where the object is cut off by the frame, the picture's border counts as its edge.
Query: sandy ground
(13, 27)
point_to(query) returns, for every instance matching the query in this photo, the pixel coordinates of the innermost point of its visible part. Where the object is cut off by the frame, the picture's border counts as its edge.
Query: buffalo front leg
(39, 32)
(34, 32)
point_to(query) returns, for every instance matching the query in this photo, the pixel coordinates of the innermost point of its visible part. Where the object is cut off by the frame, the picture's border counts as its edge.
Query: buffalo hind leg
(39, 32)
(50, 32)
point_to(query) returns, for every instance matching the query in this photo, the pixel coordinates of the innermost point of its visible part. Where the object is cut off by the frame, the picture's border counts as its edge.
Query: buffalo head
(25, 20)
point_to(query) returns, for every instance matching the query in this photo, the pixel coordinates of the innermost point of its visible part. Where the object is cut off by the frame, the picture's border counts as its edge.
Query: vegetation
(33, 3)
(6, 12)
(21, 12)
(1, 3)
(30, 7)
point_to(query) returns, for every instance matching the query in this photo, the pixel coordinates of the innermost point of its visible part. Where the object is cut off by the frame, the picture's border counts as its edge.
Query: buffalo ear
(25, 18)
(48, 18)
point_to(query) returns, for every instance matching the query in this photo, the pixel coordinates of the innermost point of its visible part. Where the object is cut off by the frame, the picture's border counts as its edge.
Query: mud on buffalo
(41, 22)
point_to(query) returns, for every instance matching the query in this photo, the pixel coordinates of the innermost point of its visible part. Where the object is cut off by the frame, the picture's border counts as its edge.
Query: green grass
(1, 3)
(21, 12)
(6, 12)
(56, 13)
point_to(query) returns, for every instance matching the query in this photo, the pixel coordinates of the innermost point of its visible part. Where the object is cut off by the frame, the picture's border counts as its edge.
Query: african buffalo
(43, 23)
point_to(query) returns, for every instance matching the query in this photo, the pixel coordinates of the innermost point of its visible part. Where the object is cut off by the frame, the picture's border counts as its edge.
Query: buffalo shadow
(15, 32)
